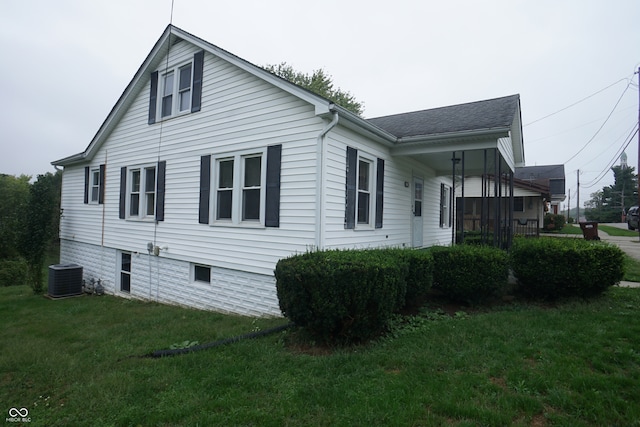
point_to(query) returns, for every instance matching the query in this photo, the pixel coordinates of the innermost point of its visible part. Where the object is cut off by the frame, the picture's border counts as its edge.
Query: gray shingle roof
(487, 114)
(551, 176)
(539, 172)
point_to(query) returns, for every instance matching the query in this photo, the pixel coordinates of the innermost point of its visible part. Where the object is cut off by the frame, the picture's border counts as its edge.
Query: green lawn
(76, 362)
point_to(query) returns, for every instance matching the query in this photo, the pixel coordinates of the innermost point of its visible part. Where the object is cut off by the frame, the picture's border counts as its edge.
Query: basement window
(202, 273)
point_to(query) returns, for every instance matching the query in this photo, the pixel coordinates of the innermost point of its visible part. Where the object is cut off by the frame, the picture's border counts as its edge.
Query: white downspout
(320, 177)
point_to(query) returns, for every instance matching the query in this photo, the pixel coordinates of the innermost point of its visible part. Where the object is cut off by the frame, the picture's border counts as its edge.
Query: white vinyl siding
(240, 114)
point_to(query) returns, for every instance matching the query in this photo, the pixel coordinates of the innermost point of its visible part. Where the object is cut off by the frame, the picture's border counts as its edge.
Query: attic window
(176, 98)
(176, 90)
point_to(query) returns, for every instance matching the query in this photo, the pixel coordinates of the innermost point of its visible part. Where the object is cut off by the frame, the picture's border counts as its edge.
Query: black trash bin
(590, 230)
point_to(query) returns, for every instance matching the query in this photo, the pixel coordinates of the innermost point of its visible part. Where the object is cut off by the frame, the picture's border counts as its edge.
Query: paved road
(630, 245)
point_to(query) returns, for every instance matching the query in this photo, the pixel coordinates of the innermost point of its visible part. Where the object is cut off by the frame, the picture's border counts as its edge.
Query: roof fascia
(455, 141)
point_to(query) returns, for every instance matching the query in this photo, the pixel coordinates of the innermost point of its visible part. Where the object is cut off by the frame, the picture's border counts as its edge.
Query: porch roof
(433, 135)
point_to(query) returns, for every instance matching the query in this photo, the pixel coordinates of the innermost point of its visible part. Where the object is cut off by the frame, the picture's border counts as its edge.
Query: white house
(208, 170)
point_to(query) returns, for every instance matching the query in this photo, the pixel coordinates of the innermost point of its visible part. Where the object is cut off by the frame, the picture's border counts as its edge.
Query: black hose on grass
(251, 335)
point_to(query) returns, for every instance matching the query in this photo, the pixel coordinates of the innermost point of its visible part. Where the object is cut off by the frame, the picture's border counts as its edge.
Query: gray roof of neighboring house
(540, 172)
(487, 114)
(549, 175)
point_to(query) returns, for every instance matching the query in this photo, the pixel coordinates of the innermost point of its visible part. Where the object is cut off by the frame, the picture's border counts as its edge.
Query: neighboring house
(208, 170)
(550, 177)
(529, 205)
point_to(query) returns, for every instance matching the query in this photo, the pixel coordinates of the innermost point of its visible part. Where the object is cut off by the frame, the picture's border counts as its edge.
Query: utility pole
(569, 207)
(638, 170)
(578, 197)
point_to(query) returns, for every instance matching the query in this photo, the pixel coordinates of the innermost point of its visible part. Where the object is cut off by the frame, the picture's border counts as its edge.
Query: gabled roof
(498, 117)
(495, 113)
(169, 37)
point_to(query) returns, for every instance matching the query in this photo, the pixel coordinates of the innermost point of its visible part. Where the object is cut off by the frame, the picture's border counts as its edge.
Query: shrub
(341, 296)
(550, 268)
(470, 274)
(13, 272)
(553, 222)
(419, 277)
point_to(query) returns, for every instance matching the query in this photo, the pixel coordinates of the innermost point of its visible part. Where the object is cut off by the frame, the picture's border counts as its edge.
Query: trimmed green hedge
(551, 268)
(419, 277)
(341, 296)
(470, 274)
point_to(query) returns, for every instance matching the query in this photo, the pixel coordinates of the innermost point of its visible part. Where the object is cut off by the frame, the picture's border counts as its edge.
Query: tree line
(29, 223)
(609, 203)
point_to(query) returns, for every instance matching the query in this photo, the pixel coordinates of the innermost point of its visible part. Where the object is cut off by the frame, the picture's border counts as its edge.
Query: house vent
(65, 280)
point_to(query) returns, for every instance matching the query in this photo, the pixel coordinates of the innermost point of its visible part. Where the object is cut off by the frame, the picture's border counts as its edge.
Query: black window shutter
(101, 185)
(379, 192)
(351, 193)
(205, 189)
(196, 95)
(153, 97)
(162, 171)
(86, 184)
(272, 208)
(123, 192)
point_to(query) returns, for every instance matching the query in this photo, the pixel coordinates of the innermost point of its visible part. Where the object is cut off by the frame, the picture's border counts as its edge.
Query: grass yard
(76, 362)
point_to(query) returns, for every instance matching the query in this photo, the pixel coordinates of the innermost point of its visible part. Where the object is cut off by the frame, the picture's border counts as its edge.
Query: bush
(13, 272)
(470, 274)
(341, 296)
(550, 268)
(419, 277)
(553, 222)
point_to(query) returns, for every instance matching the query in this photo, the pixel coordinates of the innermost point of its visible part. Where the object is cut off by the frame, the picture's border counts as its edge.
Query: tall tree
(320, 83)
(14, 196)
(607, 205)
(40, 224)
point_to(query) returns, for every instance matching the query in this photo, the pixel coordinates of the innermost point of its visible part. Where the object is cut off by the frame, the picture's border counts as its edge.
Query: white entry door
(417, 212)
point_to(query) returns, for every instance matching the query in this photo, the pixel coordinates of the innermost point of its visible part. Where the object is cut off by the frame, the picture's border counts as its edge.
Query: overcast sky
(66, 62)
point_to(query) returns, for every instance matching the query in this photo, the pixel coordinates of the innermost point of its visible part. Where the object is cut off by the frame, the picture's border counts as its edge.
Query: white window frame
(194, 278)
(175, 92)
(94, 186)
(142, 191)
(371, 191)
(238, 189)
(445, 206)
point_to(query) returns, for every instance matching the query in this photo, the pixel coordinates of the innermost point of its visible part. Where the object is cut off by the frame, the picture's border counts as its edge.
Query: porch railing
(526, 227)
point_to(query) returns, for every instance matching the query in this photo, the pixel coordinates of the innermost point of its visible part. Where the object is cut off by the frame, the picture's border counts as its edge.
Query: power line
(611, 162)
(577, 102)
(600, 128)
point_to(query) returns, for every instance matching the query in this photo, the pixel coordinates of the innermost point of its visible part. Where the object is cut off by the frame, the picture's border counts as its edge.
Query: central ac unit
(65, 280)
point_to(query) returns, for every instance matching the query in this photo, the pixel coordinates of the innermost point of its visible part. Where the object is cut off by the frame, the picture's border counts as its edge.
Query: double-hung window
(365, 168)
(364, 190)
(142, 192)
(445, 206)
(94, 178)
(95, 185)
(239, 188)
(176, 91)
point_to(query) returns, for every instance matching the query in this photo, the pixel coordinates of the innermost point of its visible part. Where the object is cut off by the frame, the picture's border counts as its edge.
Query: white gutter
(321, 152)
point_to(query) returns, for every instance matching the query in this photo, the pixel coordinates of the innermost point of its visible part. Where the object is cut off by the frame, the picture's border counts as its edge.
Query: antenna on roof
(171, 17)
